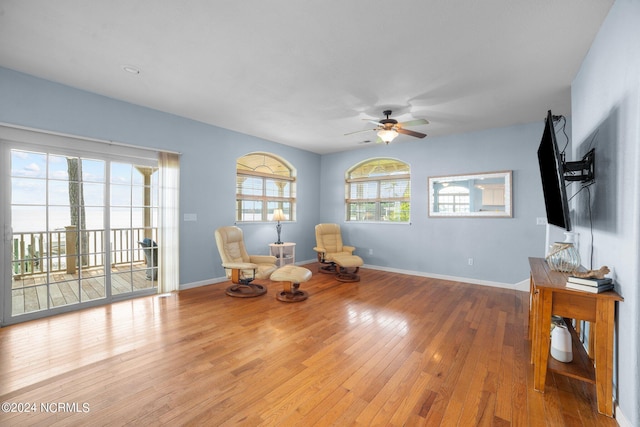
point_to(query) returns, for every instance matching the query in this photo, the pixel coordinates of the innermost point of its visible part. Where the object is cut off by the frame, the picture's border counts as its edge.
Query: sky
(38, 179)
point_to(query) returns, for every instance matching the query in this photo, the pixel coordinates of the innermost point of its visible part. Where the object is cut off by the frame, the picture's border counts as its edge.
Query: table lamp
(278, 215)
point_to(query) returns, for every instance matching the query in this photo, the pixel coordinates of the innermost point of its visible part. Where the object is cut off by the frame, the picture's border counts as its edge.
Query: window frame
(379, 201)
(268, 203)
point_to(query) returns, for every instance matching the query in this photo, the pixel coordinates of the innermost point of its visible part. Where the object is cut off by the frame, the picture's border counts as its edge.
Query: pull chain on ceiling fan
(388, 129)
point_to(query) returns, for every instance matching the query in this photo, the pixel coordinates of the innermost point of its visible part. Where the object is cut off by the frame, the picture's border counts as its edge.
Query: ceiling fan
(388, 128)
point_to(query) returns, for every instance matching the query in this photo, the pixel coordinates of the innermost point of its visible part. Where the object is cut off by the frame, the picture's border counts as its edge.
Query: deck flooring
(31, 293)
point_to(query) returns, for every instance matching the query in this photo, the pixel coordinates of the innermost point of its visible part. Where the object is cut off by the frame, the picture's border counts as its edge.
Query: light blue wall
(606, 114)
(500, 247)
(207, 165)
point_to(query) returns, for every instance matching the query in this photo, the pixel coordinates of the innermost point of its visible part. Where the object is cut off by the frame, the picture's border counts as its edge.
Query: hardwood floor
(390, 350)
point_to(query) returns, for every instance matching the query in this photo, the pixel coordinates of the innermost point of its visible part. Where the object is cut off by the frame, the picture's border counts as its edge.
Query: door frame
(14, 137)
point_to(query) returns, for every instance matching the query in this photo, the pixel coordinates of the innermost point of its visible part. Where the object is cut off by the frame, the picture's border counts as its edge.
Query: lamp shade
(387, 135)
(278, 215)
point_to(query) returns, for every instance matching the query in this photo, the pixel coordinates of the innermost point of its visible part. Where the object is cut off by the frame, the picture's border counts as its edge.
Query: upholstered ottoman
(291, 276)
(348, 266)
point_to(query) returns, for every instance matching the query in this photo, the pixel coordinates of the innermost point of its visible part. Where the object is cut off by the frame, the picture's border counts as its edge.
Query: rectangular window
(249, 210)
(362, 211)
(453, 203)
(257, 197)
(364, 190)
(386, 200)
(249, 186)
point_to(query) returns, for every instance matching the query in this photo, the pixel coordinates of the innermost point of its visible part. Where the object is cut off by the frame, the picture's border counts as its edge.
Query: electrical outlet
(470, 261)
(541, 221)
(370, 251)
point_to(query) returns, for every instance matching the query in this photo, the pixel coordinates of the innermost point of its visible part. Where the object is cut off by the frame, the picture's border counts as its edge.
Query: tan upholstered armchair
(329, 245)
(241, 267)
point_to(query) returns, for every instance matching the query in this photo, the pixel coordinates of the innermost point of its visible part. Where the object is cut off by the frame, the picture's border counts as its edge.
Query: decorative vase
(564, 256)
(561, 343)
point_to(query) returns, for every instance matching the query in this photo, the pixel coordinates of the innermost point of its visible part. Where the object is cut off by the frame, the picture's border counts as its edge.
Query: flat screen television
(552, 175)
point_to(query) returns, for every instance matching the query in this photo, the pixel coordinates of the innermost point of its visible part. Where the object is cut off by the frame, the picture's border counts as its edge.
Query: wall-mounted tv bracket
(581, 170)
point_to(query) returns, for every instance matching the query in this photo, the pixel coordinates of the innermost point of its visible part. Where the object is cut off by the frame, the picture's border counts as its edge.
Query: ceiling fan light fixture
(387, 135)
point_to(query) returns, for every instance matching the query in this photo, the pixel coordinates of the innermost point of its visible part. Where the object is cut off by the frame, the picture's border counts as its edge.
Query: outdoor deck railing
(38, 252)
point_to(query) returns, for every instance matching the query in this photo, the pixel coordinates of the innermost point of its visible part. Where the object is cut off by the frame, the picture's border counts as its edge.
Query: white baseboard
(202, 283)
(620, 418)
(520, 286)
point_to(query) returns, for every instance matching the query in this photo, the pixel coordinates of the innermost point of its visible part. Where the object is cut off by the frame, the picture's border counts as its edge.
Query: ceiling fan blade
(358, 131)
(374, 122)
(416, 122)
(410, 132)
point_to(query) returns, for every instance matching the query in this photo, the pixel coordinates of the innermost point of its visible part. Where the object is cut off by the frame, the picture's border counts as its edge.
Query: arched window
(264, 182)
(379, 190)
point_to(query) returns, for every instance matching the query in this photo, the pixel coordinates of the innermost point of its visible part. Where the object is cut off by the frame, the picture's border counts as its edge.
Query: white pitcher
(561, 343)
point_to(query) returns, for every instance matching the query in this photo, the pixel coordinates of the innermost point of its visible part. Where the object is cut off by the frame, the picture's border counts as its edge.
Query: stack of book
(594, 286)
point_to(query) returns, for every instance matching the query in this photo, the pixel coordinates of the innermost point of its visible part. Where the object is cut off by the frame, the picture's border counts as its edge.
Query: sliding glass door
(83, 230)
(133, 222)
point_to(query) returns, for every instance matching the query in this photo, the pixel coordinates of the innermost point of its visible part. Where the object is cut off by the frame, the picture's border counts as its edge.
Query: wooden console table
(550, 296)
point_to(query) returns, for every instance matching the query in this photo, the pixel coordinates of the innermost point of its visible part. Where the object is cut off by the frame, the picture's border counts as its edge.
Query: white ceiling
(304, 73)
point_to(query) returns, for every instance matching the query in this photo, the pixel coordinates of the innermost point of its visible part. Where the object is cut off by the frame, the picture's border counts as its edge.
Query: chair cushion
(265, 271)
(348, 261)
(291, 273)
(328, 236)
(234, 252)
(231, 244)
(332, 256)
